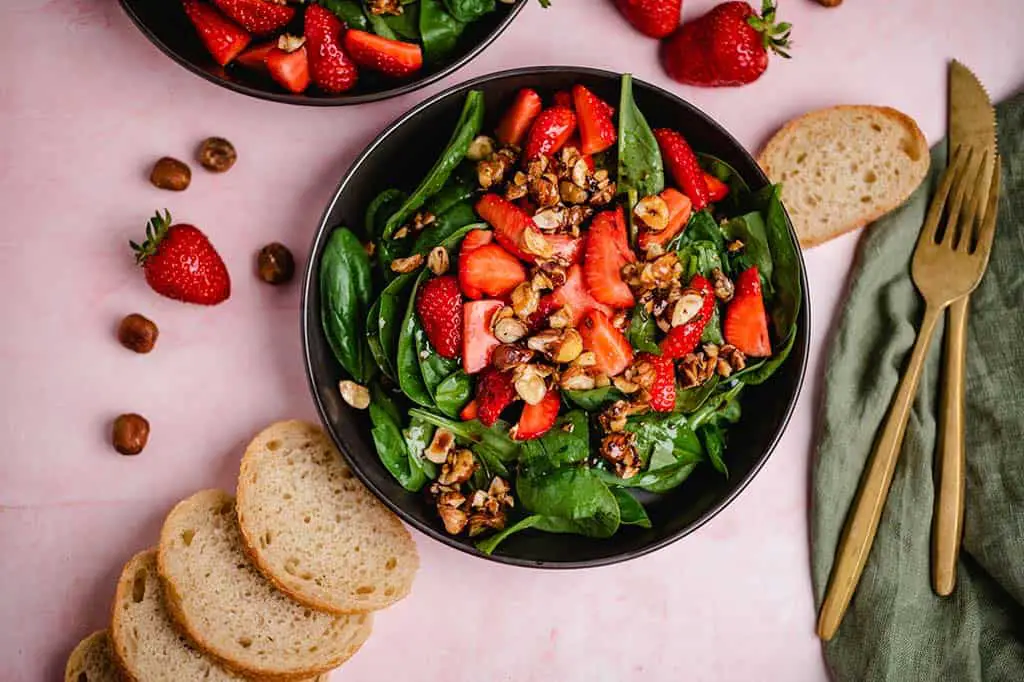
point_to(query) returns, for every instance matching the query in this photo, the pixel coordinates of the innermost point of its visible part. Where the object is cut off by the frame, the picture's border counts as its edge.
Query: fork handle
(862, 521)
(948, 524)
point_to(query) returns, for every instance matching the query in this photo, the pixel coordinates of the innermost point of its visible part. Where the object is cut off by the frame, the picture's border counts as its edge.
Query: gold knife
(972, 123)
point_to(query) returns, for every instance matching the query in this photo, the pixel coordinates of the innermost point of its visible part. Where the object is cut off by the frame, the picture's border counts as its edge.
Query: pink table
(87, 104)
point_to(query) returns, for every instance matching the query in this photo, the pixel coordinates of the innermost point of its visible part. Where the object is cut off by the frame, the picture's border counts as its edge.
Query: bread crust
(780, 139)
(76, 659)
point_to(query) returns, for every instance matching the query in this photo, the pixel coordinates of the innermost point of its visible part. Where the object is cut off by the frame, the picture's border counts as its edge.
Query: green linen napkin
(896, 628)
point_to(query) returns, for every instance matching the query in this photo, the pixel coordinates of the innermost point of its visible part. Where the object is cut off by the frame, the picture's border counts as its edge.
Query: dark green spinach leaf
(439, 30)
(690, 399)
(461, 186)
(750, 230)
(641, 172)
(494, 440)
(445, 225)
(418, 436)
(348, 11)
(469, 10)
(382, 359)
(660, 430)
(701, 227)
(713, 438)
(641, 332)
(407, 24)
(380, 26)
(391, 445)
(631, 512)
(595, 399)
(574, 494)
(786, 257)
(390, 315)
(345, 290)
(407, 362)
(714, 403)
(453, 393)
(434, 368)
(758, 373)
(568, 442)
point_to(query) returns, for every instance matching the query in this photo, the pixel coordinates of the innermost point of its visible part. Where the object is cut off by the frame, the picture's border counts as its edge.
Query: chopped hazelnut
(480, 148)
(507, 355)
(525, 300)
(619, 450)
(441, 445)
(356, 395)
(438, 260)
(404, 265)
(458, 467)
(510, 330)
(652, 212)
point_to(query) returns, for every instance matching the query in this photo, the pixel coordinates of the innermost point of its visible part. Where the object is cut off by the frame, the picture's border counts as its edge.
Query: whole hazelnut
(138, 333)
(275, 264)
(171, 174)
(130, 433)
(217, 154)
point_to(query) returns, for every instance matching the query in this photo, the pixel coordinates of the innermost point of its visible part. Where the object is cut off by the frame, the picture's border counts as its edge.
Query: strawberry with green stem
(181, 263)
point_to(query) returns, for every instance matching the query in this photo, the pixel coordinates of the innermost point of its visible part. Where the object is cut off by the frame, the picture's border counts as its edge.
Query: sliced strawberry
(510, 223)
(491, 270)
(575, 295)
(679, 211)
(746, 323)
(611, 348)
(473, 240)
(289, 65)
(520, 116)
(663, 387)
(394, 58)
(223, 38)
(330, 68)
(259, 17)
(477, 340)
(563, 98)
(566, 247)
(256, 56)
(439, 306)
(597, 131)
(604, 259)
(717, 190)
(549, 132)
(682, 339)
(538, 419)
(470, 411)
(494, 392)
(682, 164)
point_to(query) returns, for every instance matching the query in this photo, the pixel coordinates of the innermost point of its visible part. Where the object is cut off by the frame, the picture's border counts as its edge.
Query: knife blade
(972, 123)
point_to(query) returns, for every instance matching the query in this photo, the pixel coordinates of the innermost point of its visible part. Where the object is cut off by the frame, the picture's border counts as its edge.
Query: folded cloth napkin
(897, 628)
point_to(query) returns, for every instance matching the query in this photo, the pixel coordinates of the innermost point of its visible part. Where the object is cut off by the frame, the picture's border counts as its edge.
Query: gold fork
(949, 261)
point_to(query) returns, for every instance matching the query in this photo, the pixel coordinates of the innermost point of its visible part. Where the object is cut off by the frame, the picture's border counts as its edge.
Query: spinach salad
(565, 312)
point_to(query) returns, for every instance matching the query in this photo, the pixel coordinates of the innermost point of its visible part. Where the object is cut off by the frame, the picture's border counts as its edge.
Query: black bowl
(399, 158)
(165, 24)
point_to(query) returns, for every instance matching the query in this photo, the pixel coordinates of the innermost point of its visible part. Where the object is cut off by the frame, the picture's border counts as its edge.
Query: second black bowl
(399, 158)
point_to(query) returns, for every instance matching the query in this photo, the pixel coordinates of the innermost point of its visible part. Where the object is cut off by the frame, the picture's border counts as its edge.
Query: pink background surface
(87, 104)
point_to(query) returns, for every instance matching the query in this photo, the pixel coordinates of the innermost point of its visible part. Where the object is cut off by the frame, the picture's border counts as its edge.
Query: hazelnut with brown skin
(217, 154)
(138, 333)
(171, 174)
(275, 264)
(130, 434)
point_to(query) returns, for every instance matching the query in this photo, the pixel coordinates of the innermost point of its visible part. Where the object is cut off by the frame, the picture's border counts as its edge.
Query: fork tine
(987, 231)
(964, 181)
(974, 205)
(934, 218)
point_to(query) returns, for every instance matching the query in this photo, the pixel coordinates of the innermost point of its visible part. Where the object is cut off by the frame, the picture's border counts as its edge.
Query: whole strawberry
(727, 46)
(181, 263)
(656, 18)
(439, 306)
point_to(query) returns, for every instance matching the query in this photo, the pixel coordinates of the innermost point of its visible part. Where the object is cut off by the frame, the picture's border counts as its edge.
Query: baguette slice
(842, 168)
(146, 645)
(219, 599)
(92, 660)
(314, 529)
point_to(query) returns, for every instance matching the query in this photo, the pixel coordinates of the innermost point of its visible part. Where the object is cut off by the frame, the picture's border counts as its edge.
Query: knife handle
(948, 523)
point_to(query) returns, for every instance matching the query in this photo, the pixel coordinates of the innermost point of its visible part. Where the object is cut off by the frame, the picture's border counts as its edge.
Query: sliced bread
(92, 660)
(146, 644)
(219, 599)
(314, 529)
(843, 167)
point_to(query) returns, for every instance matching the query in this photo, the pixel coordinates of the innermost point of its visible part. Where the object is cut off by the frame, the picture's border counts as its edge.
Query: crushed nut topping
(450, 503)
(458, 467)
(603, 196)
(625, 385)
(541, 282)
(561, 318)
(551, 219)
(492, 170)
(730, 359)
(696, 368)
(422, 219)
(480, 148)
(652, 212)
(404, 265)
(510, 330)
(507, 355)
(723, 286)
(438, 260)
(585, 359)
(619, 450)
(441, 446)
(571, 193)
(530, 384)
(544, 190)
(735, 246)
(687, 307)
(379, 7)
(535, 243)
(356, 395)
(576, 379)
(525, 300)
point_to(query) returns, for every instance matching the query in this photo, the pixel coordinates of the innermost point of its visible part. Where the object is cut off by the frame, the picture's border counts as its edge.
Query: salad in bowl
(560, 323)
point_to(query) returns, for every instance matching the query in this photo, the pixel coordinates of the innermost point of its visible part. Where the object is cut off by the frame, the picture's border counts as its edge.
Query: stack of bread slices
(276, 583)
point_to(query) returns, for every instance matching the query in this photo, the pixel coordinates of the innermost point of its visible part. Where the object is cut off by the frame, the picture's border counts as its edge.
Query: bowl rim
(327, 101)
(309, 280)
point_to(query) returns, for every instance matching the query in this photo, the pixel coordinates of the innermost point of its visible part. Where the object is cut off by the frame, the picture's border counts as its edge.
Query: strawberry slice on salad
(683, 165)
(746, 323)
(330, 67)
(288, 64)
(491, 270)
(439, 306)
(606, 253)
(538, 419)
(679, 211)
(597, 132)
(473, 240)
(549, 132)
(494, 392)
(611, 348)
(478, 341)
(223, 38)
(394, 58)
(516, 122)
(515, 230)
(259, 17)
(683, 338)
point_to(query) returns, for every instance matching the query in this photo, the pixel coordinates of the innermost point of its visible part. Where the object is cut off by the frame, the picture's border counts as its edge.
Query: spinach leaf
(701, 227)
(407, 24)
(440, 31)
(380, 26)
(710, 408)
(382, 359)
(713, 438)
(390, 315)
(558, 446)
(759, 373)
(489, 544)
(702, 257)
(461, 186)
(469, 10)
(738, 188)
(750, 230)
(655, 431)
(713, 329)
(494, 440)
(380, 209)
(390, 443)
(418, 436)
(786, 305)
(640, 172)
(660, 480)
(631, 512)
(434, 368)
(445, 225)
(594, 399)
(407, 363)
(467, 128)
(641, 331)
(690, 399)
(453, 393)
(348, 11)
(573, 494)
(345, 290)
